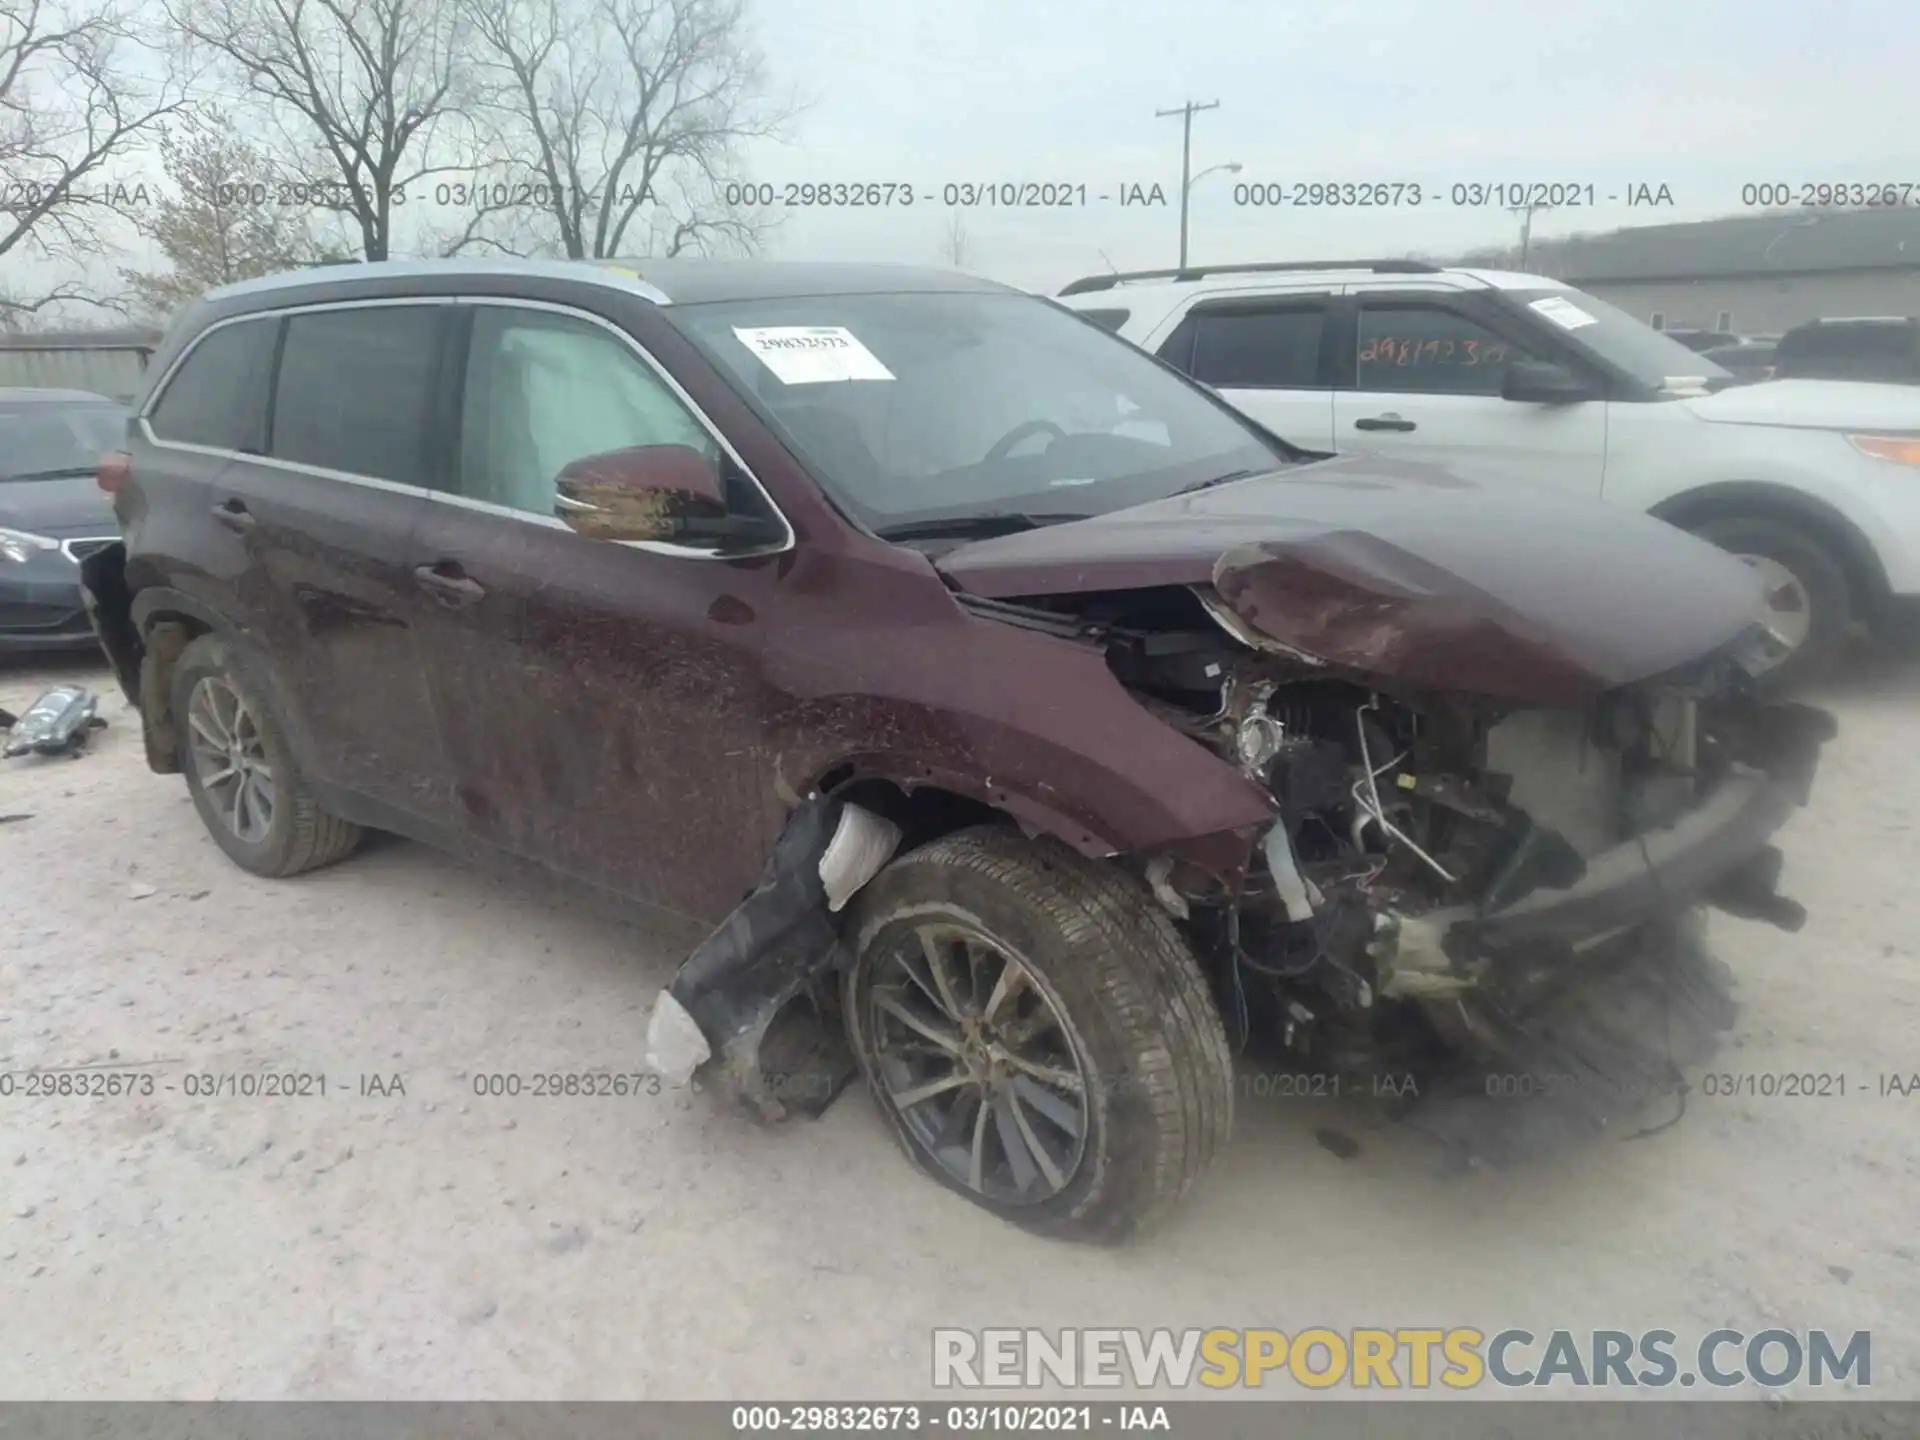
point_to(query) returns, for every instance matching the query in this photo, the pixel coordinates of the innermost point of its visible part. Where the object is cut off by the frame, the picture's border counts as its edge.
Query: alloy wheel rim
(230, 759)
(1787, 609)
(974, 1058)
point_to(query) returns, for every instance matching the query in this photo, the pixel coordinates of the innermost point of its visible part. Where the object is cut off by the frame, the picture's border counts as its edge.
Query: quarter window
(355, 390)
(543, 390)
(218, 396)
(1429, 350)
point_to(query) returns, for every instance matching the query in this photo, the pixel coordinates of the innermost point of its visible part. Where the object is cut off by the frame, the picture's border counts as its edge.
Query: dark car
(1005, 700)
(1701, 341)
(1750, 360)
(52, 514)
(1885, 348)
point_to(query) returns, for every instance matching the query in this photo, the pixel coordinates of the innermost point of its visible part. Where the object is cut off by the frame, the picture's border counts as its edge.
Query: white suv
(1814, 482)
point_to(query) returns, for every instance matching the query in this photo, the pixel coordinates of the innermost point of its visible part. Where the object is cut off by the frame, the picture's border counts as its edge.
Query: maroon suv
(1033, 729)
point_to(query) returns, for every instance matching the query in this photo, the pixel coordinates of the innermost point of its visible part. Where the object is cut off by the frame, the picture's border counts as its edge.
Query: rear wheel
(1807, 607)
(250, 794)
(1038, 1034)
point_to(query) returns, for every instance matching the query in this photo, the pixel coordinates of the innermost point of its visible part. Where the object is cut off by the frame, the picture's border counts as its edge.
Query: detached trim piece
(749, 995)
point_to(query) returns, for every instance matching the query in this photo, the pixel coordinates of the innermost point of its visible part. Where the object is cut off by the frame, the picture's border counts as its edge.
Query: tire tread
(1145, 975)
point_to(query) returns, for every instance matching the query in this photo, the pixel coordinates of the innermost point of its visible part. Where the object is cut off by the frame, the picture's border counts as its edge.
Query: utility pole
(1186, 113)
(1525, 212)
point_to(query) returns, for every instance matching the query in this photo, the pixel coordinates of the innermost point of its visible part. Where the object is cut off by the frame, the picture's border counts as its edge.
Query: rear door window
(356, 388)
(1265, 347)
(218, 396)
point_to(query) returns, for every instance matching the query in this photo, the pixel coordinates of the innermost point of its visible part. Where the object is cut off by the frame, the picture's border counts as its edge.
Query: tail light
(116, 466)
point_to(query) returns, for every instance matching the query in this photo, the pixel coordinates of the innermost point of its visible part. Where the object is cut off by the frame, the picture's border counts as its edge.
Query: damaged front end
(1492, 906)
(1498, 827)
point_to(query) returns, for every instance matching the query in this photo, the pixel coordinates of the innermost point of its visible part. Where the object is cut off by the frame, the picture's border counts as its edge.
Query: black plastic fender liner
(748, 997)
(109, 606)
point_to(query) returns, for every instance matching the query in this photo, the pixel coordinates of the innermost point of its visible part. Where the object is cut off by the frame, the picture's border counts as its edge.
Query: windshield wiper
(1226, 479)
(971, 527)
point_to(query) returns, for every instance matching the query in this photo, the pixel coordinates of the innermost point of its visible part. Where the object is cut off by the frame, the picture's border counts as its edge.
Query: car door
(1427, 371)
(1265, 356)
(209, 409)
(326, 514)
(601, 702)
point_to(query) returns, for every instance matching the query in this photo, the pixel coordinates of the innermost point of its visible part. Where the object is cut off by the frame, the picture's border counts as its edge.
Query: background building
(1753, 274)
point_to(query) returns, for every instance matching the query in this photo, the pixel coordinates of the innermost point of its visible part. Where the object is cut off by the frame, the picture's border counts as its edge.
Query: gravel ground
(435, 1244)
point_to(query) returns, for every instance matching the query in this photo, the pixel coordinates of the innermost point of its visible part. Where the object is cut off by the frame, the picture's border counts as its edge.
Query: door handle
(1389, 421)
(448, 583)
(235, 516)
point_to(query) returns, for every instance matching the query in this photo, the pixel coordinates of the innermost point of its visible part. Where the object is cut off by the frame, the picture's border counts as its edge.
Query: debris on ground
(58, 723)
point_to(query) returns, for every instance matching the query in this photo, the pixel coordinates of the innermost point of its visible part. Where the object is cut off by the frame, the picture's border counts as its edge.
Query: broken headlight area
(1458, 889)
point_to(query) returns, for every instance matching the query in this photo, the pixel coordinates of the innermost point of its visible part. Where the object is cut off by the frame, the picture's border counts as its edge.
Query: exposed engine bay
(1451, 876)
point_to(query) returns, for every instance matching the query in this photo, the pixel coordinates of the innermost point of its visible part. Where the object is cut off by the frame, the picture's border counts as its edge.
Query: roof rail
(1197, 272)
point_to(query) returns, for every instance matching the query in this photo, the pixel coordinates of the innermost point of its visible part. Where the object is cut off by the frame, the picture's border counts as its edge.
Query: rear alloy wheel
(1037, 1033)
(229, 759)
(250, 794)
(1805, 607)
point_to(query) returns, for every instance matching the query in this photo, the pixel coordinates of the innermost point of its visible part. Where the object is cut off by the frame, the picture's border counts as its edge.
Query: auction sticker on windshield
(1564, 313)
(812, 354)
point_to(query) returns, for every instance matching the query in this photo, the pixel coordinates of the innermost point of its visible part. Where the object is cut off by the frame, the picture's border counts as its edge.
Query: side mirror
(652, 492)
(1537, 382)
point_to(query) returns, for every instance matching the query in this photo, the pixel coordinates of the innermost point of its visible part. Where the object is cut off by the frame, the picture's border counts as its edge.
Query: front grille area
(78, 550)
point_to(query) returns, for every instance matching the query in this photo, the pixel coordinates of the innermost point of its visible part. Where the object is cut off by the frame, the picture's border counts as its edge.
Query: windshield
(46, 440)
(914, 408)
(1616, 337)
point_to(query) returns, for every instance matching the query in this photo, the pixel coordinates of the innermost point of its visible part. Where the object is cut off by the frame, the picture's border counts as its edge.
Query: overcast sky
(1700, 96)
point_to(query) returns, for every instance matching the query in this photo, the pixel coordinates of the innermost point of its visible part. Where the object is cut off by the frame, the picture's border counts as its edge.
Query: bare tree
(626, 118)
(956, 246)
(225, 220)
(79, 84)
(368, 95)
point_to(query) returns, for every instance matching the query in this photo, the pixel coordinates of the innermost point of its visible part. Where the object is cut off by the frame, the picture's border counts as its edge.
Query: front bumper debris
(1605, 1053)
(1575, 1011)
(751, 998)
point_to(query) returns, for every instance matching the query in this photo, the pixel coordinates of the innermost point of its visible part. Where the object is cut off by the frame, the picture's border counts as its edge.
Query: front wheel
(1037, 1033)
(1806, 608)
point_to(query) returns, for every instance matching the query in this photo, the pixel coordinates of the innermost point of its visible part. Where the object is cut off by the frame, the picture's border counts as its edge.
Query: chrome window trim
(160, 386)
(658, 547)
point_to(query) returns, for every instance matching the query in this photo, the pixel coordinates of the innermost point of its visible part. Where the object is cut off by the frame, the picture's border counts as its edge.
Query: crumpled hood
(1408, 572)
(1813, 405)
